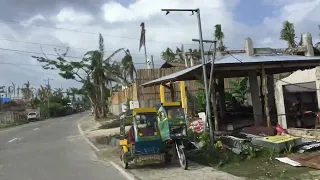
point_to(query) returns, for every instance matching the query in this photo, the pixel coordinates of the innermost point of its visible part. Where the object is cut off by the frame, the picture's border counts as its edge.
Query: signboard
(268, 51)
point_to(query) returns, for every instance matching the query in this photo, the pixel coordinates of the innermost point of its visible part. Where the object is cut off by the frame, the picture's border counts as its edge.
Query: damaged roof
(192, 73)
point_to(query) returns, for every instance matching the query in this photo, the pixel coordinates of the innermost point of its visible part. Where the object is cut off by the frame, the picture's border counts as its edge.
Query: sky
(29, 26)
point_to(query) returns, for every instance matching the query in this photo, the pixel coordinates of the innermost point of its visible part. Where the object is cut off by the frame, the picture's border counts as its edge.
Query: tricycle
(143, 144)
(173, 130)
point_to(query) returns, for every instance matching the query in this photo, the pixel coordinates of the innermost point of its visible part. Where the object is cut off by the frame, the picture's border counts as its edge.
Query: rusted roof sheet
(311, 160)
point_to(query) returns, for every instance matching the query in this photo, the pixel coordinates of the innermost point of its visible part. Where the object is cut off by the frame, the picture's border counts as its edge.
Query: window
(174, 112)
(146, 124)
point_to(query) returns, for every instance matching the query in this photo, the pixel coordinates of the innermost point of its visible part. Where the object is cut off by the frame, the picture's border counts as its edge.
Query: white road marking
(88, 141)
(13, 140)
(35, 129)
(121, 170)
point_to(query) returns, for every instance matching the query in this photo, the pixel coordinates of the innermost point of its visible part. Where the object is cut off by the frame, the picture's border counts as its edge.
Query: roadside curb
(125, 173)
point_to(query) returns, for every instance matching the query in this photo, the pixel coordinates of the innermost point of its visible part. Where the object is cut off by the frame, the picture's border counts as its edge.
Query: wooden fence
(137, 92)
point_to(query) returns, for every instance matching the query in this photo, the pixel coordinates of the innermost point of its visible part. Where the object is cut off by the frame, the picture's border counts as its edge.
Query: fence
(9, 117)
(149, 96)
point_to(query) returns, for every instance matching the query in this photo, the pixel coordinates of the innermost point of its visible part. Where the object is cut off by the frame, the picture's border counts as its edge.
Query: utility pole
(49, 91)
(152, 61)
(211, 81)
(204, 72)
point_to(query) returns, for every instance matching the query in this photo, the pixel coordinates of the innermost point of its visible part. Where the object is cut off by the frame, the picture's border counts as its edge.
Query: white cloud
(34, 18)
(146, 9)
(304, 15)
(69, 15)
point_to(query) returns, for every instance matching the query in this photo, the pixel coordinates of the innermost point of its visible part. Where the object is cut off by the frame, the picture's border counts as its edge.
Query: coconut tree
(128, 68)
(27, 92)
(10, 91)
(168, 55)
(103, 72)
(219, 37)
(288, 34)
(14, 89)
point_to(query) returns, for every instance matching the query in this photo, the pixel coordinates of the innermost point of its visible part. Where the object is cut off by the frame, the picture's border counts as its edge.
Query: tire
(124, 163)
(182, 159)
(167, 158)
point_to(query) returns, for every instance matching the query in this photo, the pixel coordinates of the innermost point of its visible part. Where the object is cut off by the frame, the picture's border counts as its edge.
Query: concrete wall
(115, 109)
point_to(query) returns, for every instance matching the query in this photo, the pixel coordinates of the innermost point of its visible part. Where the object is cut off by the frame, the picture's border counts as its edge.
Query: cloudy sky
(28, 26)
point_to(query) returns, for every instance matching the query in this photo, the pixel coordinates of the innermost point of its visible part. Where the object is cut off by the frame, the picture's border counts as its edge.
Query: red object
(131, 135)
(280, 130)
(197, 126)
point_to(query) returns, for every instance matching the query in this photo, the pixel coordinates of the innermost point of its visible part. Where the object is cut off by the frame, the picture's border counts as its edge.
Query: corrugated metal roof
(231, 59)
(172, 76)
(234, 59)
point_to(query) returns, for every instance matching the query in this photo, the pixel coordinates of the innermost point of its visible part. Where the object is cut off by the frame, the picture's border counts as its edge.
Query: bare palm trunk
(102, 100)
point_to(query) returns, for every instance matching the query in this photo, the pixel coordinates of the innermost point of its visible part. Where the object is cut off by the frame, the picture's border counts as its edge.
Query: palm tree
(103, 73)
(168, 55)
(18, 91)
(14, 89)
(10, 91)
(219, 36)
(128, 68)
(288, 34)
(27, 92)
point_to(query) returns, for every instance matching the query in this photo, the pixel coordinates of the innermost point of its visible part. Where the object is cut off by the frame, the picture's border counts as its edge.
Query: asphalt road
(51, 150)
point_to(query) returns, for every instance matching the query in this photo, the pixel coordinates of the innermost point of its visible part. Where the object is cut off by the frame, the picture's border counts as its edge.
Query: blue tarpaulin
(4, 100)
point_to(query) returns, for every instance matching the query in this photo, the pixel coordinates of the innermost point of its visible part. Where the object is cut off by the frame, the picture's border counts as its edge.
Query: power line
(55, 45)
(31, 52)
(86, 32)
(8, 63)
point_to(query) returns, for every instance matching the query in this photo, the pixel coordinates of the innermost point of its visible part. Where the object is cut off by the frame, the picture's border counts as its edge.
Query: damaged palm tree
(304, 47)
(94, 72)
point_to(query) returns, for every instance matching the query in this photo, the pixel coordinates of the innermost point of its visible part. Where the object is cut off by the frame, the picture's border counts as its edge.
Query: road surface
(51, 150)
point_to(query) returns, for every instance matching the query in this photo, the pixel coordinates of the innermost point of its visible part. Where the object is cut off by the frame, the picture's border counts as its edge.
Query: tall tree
(128, 68)
(98, 72)
(219, 37)
(288, 34)
(27, 93)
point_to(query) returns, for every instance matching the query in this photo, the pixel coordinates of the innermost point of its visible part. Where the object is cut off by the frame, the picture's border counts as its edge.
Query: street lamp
(204, 72)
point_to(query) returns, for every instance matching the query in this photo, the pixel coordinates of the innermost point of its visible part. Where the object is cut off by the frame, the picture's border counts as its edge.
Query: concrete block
(277, 142)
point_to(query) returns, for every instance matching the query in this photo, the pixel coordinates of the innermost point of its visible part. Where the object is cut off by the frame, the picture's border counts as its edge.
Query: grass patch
(264, 168)
(15, 123)
(106, 140)
(115, 123)
(258, 165)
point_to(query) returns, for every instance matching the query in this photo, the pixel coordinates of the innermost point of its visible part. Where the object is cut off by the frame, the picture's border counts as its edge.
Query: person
(299, 111)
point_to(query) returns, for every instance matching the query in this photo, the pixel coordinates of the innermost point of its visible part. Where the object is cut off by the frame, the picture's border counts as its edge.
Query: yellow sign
(278, 139)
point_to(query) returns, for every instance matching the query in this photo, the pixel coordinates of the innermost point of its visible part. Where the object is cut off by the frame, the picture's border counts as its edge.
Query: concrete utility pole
(203, 65)
(49, 90)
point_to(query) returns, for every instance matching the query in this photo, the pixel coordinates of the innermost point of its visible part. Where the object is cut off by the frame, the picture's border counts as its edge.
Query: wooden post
(214, 105)
(265, 95)
(172, 92)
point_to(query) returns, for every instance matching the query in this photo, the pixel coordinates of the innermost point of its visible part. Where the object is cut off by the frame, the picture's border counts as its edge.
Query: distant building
(170, 65)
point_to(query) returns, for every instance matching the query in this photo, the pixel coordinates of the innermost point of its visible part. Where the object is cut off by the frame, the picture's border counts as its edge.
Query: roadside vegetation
(96, 72)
